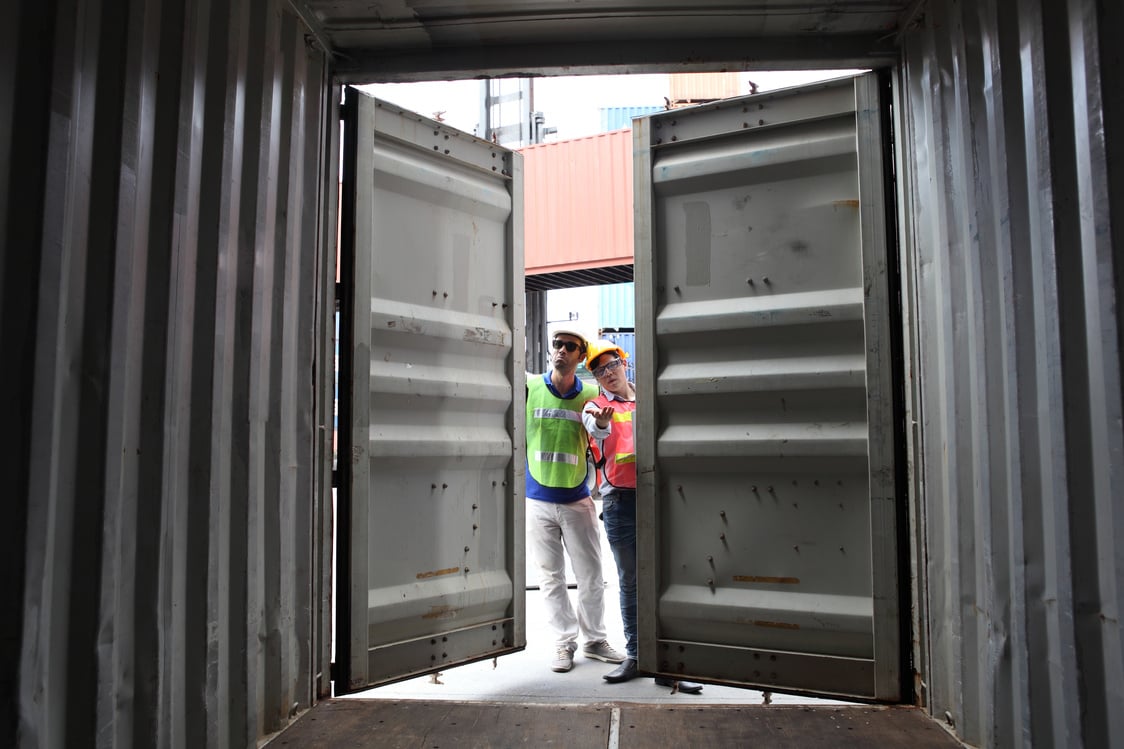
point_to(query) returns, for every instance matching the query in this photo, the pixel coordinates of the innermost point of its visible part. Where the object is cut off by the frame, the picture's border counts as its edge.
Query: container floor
(389, 724)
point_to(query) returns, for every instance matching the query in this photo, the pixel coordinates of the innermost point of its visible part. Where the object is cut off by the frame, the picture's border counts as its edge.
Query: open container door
(767, 515)
(431, 570)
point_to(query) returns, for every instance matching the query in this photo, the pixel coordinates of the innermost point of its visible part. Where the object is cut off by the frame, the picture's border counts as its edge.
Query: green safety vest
(556, 437)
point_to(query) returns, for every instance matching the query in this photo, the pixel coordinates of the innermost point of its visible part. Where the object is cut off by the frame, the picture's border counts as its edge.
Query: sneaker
(602, 651)
(563, 659)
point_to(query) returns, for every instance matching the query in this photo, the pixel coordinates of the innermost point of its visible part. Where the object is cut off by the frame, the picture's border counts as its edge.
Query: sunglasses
(607, 367)
(568, 345)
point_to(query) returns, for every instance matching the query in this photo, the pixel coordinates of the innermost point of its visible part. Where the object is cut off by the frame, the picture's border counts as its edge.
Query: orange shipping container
(693, 87)
(578, 203)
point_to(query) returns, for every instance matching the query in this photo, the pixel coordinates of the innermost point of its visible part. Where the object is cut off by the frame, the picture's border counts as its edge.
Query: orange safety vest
(615, 456)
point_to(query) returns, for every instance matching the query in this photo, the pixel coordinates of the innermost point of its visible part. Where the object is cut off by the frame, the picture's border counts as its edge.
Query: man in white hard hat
(608, 419)
(561, 516)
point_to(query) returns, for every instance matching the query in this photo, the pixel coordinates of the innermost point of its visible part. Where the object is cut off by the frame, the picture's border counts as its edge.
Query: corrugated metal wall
(160, 287)
(1013, 172)
(162, 207)
(579, 203)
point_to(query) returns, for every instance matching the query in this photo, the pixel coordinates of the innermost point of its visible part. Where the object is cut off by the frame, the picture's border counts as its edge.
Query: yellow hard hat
(602, 346)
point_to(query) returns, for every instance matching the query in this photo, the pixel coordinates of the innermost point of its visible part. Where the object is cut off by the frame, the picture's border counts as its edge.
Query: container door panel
(767, 511)
(434, 511)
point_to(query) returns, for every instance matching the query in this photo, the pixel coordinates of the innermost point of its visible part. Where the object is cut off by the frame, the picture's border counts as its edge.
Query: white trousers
(572, 526)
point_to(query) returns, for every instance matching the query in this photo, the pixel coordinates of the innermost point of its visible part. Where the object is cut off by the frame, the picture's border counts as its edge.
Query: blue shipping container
(617, 305)
(618, 118)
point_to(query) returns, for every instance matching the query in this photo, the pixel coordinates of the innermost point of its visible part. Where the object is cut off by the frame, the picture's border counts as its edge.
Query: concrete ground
(526, 677)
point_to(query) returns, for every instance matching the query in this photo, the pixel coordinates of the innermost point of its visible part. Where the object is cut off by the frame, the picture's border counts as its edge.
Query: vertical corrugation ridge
(1099, 278)
(26, 64)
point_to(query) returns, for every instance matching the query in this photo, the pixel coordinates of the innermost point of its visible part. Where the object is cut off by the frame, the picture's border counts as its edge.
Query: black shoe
(686, 687)
(627, 670)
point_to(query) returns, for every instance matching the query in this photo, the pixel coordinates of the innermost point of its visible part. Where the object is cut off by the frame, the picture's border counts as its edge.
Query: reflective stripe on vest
(557, 413)
(556, 458)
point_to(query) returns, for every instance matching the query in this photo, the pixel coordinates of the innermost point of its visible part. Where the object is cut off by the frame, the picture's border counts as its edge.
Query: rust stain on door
(440, 612)
(766, 579)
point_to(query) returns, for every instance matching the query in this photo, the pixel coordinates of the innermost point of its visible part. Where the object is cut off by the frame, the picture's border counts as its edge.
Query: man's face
(611, 372)
(566, 352)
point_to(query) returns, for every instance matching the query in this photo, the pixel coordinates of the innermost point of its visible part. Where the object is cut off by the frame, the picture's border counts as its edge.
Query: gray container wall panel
(1014, 205)
(165, 168)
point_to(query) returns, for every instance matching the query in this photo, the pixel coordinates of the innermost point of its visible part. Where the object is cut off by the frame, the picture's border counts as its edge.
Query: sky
(571, 104)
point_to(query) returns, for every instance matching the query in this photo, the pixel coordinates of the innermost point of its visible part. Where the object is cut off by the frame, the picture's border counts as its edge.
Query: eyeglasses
(608, 367)
(568, 345)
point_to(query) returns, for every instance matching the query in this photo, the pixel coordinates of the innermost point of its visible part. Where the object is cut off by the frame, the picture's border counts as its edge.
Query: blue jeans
(619, 513)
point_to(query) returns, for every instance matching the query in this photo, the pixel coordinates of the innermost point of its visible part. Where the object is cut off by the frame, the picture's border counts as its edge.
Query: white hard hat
(570, 331)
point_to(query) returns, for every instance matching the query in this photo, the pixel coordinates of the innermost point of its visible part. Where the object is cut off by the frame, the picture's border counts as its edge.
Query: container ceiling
(570, 279)
(408, 40)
